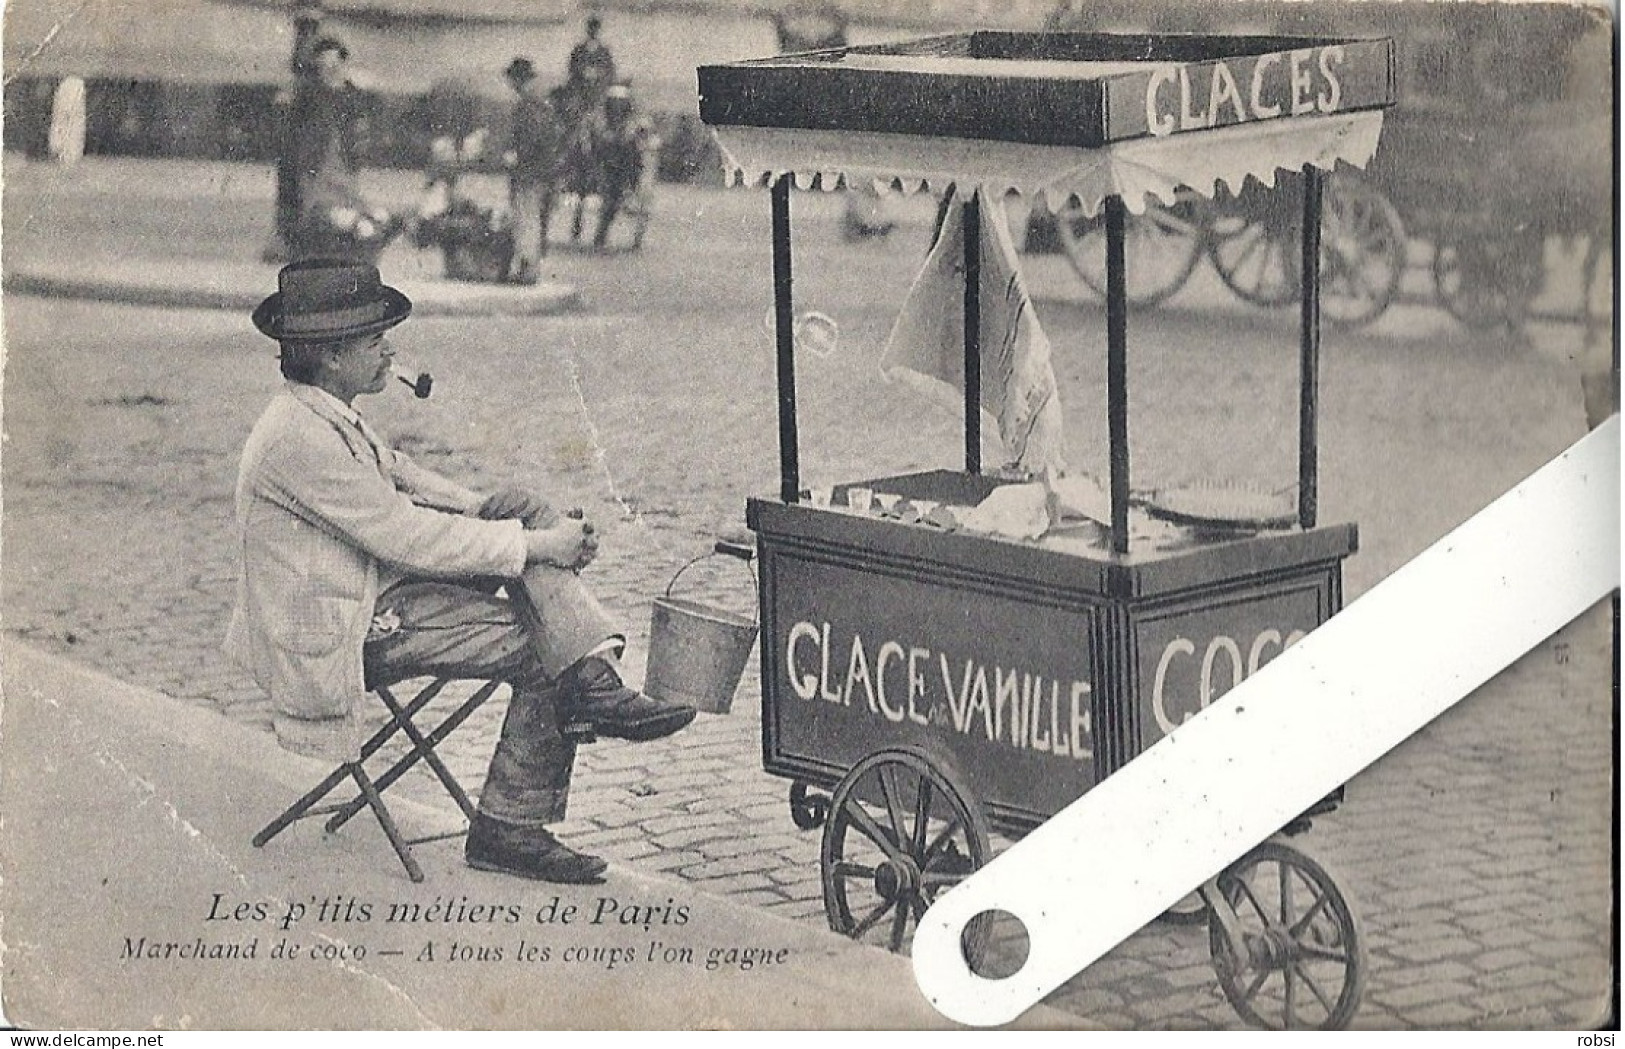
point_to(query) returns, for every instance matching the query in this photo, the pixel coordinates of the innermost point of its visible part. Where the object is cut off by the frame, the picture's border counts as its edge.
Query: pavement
(1479, 853)
(136, 825)
(144, 273)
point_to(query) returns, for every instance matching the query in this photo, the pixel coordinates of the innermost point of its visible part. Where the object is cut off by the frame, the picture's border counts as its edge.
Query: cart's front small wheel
(808, 808)
(1288, 951)
(901, 830)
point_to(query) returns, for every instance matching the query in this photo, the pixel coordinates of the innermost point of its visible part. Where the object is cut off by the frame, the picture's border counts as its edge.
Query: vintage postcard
(537, 515)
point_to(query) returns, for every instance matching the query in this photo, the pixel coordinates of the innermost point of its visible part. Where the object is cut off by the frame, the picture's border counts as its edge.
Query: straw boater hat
(327, 300)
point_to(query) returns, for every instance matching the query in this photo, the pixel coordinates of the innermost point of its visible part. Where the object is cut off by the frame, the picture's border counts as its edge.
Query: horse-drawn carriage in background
(1497, 153)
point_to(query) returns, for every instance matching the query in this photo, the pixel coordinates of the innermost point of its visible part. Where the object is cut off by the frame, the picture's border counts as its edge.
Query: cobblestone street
(1478, 854)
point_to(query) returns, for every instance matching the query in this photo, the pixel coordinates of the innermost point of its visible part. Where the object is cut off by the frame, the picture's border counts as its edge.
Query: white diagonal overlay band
(1370, 677)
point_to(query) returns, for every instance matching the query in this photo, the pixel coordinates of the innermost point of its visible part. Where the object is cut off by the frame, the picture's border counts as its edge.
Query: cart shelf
(1067, 562)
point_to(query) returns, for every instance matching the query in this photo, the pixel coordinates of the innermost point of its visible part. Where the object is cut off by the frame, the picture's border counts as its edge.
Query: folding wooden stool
(370, 793)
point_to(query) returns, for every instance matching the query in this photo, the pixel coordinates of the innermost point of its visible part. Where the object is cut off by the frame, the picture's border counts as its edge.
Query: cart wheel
(1362, 252)
(900, 831)
(1161, 249)
(1253, 242)
(1256, 245)
(808, 810)
(1488, 282)
(1192, 910)
(1299, 963)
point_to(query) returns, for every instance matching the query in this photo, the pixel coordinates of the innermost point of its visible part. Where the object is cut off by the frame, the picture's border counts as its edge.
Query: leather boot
(528, 852)
(593, 693)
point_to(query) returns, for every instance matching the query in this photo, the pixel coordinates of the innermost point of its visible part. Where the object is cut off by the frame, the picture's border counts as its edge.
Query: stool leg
(385, 820)
(401, 767)
(297, 810)
(424, 747)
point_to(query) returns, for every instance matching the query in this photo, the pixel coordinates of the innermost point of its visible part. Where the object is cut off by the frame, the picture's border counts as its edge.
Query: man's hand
(511, 503)
(570, 544)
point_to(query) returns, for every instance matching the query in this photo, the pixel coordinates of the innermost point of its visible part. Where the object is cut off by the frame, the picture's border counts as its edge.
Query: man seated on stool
(360, 568)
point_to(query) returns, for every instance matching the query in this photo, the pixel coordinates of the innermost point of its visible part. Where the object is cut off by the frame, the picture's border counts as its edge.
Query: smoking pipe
(420, 384)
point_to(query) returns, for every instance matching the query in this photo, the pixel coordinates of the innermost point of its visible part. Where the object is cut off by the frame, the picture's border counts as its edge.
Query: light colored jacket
(321, 504)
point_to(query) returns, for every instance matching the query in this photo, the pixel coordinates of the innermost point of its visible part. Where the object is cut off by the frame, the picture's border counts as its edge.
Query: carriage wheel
(1160, 247)
(1362, 252)
(1488, 282)
(900, 831)
(1300, 962)
(1256, 244)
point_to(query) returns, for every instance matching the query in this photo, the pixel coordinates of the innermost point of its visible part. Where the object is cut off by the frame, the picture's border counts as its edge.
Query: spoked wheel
(809, 808)
(1299, 963)
(1256, 244)
(1487, 282)
(900, 832)
(1362, 252)
(1160, 249)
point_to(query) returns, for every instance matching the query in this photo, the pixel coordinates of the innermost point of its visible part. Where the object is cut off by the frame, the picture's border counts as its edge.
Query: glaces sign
(1171, 98)
(1297, 83)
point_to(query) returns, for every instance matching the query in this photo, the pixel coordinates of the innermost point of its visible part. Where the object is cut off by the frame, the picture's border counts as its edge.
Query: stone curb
(842, 967)
(433, 299)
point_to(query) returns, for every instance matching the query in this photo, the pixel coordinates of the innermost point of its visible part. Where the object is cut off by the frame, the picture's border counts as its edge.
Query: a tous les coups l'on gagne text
(609, 932)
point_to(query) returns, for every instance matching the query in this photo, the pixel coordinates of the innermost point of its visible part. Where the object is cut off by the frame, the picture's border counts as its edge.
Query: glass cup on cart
(860, 500)
(818, 495)
(923, 507)
(887, 502)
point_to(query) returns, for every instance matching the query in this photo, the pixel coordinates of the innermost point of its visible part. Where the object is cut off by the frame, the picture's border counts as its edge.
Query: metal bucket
(697, 652)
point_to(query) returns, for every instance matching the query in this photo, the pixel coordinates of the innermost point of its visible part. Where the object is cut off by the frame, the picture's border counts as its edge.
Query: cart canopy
(1052, 116)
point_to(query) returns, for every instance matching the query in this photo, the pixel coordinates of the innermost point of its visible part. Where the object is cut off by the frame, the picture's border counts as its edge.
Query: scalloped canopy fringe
(1138, 170)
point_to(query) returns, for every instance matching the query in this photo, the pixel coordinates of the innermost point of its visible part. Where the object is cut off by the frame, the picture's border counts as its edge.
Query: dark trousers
(469, 630)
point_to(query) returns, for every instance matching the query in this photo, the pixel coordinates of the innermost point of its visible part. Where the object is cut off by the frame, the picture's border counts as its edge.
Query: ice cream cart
(951, 653)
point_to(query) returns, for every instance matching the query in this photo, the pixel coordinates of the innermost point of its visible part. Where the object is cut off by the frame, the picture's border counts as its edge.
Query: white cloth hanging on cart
(926, 348)
(1135, 169)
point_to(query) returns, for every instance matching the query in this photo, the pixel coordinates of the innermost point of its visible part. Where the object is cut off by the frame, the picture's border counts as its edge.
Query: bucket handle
(723, 548)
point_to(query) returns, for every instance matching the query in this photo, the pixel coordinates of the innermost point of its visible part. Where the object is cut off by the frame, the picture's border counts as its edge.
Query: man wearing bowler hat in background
(360, 568)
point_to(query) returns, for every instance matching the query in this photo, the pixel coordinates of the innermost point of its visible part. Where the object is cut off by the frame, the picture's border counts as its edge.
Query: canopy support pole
(973, 334)
(1117, 370)
(784, 327)
(1309, 351)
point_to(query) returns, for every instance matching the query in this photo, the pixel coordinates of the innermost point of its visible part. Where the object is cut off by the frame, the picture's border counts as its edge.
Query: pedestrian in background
(329, 129)
(534, 161)
(307, 25)
(591, 67)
